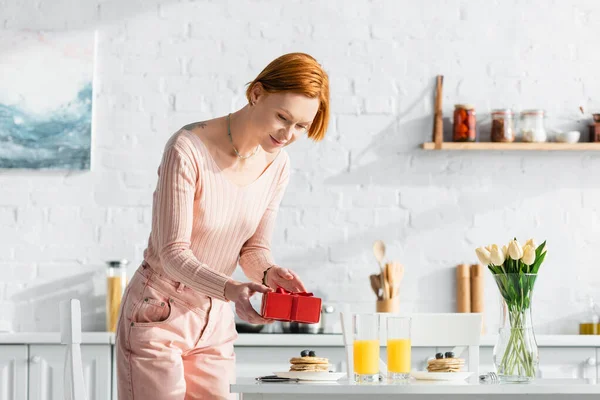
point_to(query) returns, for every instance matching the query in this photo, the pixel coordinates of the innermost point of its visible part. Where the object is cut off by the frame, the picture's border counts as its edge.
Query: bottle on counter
(531, 126)
(464, 129)
(116, 281)
(591, 325)
(503, 129)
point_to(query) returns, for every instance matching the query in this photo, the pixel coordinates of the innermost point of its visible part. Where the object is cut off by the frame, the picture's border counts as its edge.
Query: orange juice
(398, 355)
(366, 357)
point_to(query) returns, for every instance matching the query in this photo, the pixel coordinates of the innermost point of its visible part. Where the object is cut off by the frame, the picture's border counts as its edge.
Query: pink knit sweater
(203, 224)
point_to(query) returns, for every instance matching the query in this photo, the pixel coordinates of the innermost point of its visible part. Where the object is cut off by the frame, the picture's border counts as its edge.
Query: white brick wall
(164, 63)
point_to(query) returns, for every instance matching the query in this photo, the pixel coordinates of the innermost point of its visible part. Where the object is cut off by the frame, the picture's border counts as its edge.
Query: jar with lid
(531, 126)
(503, 129)
(116, 281)
(464, 123)
(591, 324)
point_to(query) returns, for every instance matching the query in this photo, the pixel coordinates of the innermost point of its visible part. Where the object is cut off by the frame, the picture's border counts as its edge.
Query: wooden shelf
(548, 146)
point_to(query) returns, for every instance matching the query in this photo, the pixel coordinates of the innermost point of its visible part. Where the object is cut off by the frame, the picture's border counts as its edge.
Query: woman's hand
(240, 294)
(285, 278)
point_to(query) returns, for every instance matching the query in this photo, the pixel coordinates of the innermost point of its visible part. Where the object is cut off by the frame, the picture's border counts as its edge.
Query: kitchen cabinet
(46, 366)
(568, 363)
(31, 364)
(13, 372)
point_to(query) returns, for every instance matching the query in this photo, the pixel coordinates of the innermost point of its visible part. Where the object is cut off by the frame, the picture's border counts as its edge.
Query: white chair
(462, 331)
(70, 335)
(459, 330)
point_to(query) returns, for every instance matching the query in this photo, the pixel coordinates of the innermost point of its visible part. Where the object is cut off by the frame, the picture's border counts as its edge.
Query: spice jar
(116, 280)
(503, 129)
(464, 123)
(532, 127)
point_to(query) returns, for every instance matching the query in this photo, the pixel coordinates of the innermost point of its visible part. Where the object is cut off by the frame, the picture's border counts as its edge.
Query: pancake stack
(309, 364)
(445, 365)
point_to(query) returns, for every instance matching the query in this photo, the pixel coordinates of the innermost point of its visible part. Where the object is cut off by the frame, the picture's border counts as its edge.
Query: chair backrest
(70, 335)
(458, 330)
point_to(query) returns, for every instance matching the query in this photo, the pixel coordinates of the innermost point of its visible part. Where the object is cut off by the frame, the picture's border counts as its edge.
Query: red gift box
(294, 307)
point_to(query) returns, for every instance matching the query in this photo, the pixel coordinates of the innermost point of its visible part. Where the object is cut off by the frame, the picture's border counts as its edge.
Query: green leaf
(539, 262)
(539, 249)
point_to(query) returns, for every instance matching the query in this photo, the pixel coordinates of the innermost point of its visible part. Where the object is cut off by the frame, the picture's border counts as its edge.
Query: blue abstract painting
(46, 98)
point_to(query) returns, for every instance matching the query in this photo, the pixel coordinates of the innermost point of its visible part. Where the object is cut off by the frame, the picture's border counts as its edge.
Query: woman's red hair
(298, 73)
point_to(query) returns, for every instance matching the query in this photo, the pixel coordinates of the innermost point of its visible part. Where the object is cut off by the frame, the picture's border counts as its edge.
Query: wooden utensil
(438, 122)
(386, 284)
(400, 276)
(379, 251)
(396, 273)
(391, 278)
(375, 284)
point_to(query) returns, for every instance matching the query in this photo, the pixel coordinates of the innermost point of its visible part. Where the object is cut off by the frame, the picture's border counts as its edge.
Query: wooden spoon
(379, 251)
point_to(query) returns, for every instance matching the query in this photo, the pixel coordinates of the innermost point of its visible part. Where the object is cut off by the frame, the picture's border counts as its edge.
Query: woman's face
(282, 117)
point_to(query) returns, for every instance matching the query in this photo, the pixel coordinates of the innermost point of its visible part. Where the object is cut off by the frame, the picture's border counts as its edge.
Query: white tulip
(505, 251)
(496, 255)
(528, 255)
(483, 254)
(515, 250)
(531, 243)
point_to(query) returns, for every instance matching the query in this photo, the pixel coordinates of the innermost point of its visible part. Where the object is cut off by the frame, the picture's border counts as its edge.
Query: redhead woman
(220, 183)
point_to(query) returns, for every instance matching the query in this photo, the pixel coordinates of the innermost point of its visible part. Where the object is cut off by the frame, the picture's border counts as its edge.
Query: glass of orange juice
(366, 347)
(398, 348)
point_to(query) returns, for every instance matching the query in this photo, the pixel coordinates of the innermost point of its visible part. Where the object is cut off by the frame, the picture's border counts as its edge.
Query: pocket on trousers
(154, 308)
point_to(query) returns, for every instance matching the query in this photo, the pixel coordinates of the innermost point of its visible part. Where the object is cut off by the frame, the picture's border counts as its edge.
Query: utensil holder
(388, 305)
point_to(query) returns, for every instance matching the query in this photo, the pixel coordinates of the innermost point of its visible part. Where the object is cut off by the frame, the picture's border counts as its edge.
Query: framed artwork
(46, 99)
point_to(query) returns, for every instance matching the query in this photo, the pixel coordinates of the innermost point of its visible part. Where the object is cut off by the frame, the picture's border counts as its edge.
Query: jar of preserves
(531, 126)
(464, 129)
(116, 281)
(503, 129)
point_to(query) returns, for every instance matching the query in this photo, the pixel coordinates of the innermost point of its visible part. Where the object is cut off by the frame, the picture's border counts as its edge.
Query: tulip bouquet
(513, 259)
(515, 269)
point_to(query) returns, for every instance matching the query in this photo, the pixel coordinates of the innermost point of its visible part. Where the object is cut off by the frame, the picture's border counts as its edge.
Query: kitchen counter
(308, 340)
(541, 389)
(285, 339)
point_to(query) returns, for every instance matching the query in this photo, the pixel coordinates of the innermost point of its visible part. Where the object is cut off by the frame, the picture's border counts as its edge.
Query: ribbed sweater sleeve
(175, 198)
(255, 255)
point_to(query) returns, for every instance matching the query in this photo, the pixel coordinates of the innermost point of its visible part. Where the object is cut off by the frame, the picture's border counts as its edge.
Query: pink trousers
(173, 342)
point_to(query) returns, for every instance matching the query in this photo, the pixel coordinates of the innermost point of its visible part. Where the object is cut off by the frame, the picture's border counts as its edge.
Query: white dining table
(572, 389)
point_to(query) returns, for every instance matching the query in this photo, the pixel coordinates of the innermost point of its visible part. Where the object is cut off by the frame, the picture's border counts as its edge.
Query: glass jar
(116, 281)
(531, 126)
(503, 129)
(591, 325)
(464, 123)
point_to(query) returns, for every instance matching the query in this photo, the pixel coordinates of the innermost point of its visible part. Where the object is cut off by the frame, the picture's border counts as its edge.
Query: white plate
(440, 376)
(311, 376)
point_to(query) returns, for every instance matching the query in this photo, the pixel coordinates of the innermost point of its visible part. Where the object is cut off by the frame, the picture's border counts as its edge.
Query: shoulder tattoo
(193, 125)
